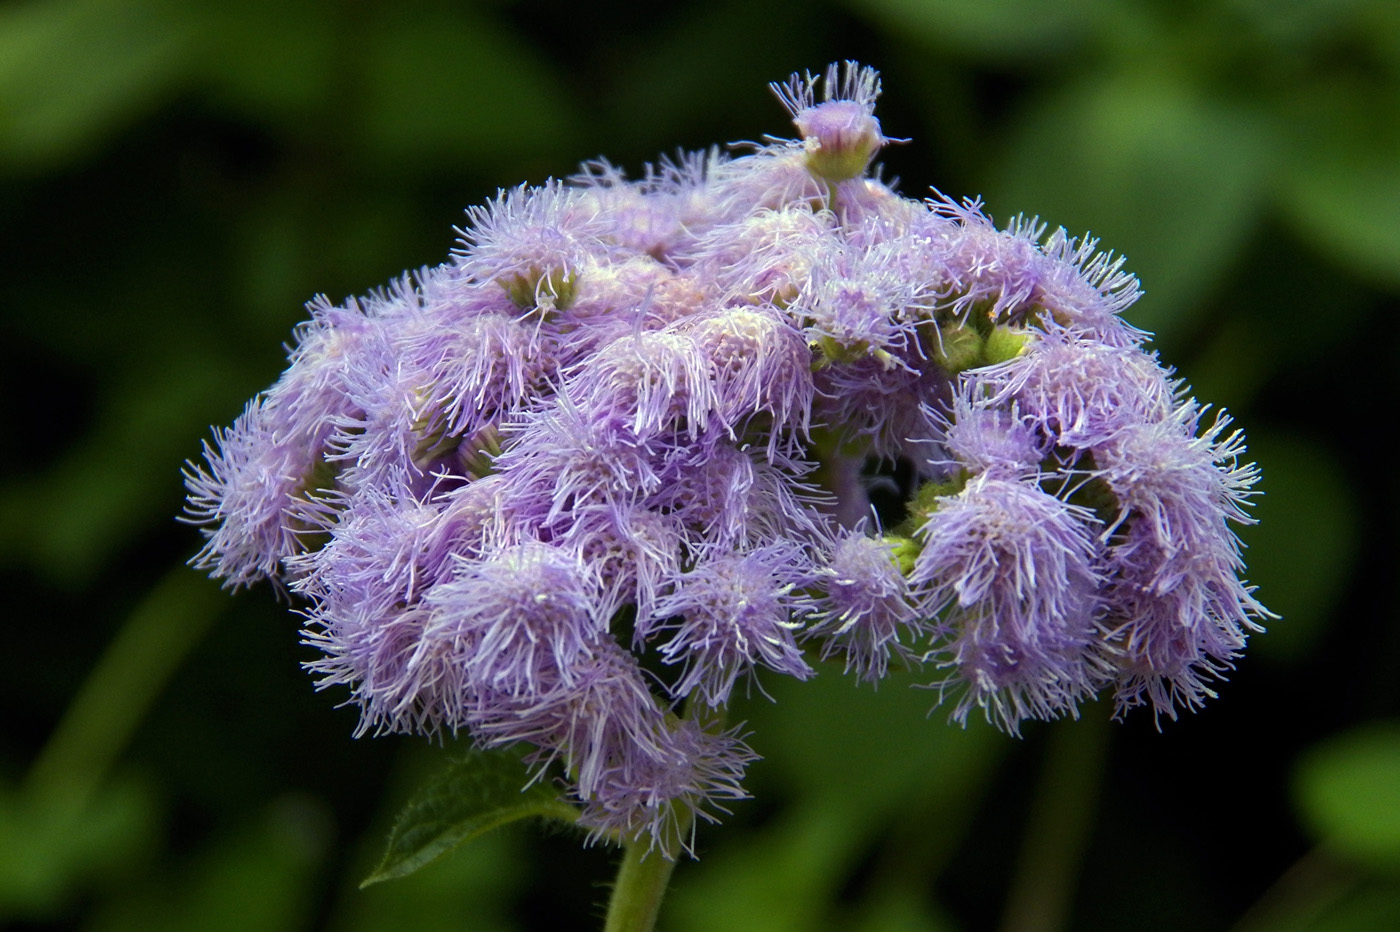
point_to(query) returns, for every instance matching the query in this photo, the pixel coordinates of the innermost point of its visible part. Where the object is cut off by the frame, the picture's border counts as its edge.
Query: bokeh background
(176, 179)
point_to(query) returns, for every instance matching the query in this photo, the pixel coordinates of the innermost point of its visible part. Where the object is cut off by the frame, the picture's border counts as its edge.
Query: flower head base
(575, 486)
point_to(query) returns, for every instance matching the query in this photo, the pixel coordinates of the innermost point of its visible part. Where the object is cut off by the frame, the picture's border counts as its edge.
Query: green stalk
(1062, 816)
(641, 883)
(152, 643)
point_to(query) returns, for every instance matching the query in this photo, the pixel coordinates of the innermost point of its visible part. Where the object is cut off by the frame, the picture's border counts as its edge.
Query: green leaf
(1342, 188)
(475, 794)
(1303, 548)
(1348, 793)
(1163, 171)
(454, 86)
(1000, 29)
(73, 70)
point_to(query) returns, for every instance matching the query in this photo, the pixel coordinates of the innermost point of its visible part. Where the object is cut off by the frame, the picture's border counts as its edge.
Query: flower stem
(641, 883)
(152, 643)
(1062, 817)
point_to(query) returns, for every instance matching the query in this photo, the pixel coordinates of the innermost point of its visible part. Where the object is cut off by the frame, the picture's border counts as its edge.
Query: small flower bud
(841, 134)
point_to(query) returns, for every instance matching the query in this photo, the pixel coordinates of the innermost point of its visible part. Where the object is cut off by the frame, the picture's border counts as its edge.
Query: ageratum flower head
(600, 469)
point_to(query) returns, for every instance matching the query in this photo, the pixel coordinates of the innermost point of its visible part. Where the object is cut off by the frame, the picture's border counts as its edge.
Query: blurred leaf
(66, 522)
(816, 728)
(480, 792)
(1301, 551)
(1379, 26)
(1164, 174)
(447, 86)
(71, 70)
(52, 847)
(693, 84)
(905, 911)
(271, 60)
(1374, 910)
(1342, 187)
(151, 644)
(862, 768)
(1295, 26)
(998, 29)
(259, 878)
(1347, 791)
(782, 880)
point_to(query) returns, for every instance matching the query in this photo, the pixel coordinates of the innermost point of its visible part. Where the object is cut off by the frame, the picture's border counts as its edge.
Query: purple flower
(1010, 572)
(868, 612)
(570, 488)
(653, 382)
(1022, 272)
(531, 242)
(661, 213)
(762, 371)
(560, 457)
(865, 304)
(730, 614)
(1078, 390)
(520, 618)
(657, 798)
(765, 256)
(376, 654)
(883, 411)
(1178, 612)
(253, 491)
(634, 552)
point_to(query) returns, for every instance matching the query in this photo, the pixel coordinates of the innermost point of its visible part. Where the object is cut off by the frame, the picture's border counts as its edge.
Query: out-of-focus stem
(839, 474)
(1302, 893)
(1062, 816)
(152, 643)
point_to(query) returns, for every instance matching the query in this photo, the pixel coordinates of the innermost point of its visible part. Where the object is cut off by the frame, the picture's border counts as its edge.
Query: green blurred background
(177, 178)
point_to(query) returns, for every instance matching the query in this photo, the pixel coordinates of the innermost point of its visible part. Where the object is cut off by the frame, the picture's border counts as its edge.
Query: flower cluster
(611, 462)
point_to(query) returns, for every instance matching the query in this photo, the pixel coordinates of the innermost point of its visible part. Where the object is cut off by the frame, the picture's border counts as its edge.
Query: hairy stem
(641, 883)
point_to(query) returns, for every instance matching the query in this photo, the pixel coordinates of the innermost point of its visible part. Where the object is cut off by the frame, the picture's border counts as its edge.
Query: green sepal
(478, 792)
(477, 452)
(837, 165)
(434, 442)
(926, 501)
(1002, 344)
(527, 289)
(904, 551)
(317, 485)
(828, 350)
(1074, 477)
(959, 349)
